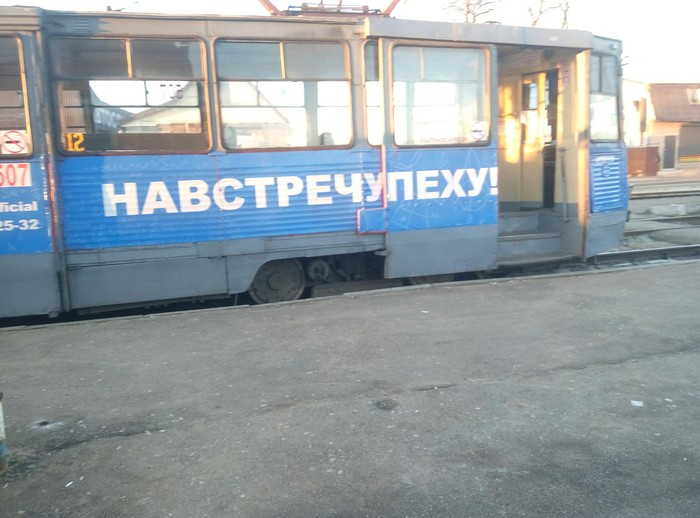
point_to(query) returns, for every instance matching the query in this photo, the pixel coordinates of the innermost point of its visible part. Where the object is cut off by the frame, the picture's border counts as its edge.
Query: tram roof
(491, 33)
(373, 26)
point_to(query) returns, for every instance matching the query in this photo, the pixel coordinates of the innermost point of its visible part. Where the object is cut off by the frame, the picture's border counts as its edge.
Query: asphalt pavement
(548, 397)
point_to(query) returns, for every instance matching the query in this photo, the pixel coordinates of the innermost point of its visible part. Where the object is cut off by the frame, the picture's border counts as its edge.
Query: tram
(148, 158)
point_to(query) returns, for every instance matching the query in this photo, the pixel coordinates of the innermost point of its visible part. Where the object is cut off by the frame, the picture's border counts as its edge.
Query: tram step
(525, 245)
(518, 222)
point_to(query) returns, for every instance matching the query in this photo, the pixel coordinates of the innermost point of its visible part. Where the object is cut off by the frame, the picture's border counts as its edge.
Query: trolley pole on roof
(3, 450)
(390, 8)
(267, 4)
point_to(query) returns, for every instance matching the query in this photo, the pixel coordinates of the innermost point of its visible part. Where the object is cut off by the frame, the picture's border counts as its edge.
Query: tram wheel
(431, 279)
(278, 281)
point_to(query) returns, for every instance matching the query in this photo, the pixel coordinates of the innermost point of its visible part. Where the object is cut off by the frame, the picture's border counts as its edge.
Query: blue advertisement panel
(443, 188)
(151, 200)
(25, 224)
(120, 201)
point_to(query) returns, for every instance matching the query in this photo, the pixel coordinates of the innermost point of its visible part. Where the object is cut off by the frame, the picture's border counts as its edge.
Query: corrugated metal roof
(673, 102)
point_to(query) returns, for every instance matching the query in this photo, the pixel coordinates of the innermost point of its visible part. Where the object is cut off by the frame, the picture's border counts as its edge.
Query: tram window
(373, 96)
(154, 104)
(604, 74)
(241, 60)
(530, 96)
(283, 94)
(156, 59)
(375, 117)
(80, 58)
(13, 113)
(73, 112)
(439, 96)
(318, 60)
(608, 75)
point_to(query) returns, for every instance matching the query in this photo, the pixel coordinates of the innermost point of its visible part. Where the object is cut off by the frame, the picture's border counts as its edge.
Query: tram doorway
(538, 118)
(537, 115)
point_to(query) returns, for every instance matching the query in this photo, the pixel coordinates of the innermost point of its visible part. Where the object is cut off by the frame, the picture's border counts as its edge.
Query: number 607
(15, 175)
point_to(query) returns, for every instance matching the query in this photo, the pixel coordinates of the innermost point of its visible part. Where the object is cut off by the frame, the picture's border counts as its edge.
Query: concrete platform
(685, 177)
(554, 396)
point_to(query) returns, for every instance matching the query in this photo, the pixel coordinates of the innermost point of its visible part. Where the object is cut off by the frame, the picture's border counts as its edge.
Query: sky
(658, 37)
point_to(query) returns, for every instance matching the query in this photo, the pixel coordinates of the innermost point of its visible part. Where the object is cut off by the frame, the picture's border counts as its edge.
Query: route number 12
(75, 142)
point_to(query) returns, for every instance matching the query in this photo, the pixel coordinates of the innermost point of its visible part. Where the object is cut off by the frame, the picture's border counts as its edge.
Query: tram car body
(150, 158)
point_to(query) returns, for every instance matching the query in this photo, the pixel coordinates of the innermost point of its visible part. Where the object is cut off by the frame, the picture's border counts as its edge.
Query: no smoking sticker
(13, 142)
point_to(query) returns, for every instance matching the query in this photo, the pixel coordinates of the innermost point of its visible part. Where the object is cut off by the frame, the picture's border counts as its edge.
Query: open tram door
(438, 157)
(29, 280)
(607, 189)
(542, 121)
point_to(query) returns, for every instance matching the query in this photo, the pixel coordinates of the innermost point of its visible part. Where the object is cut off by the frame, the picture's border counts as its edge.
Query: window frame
(25, 101)
(484, 51)
(365, 97)
(199, 79)
(600, 91)
(284, 77)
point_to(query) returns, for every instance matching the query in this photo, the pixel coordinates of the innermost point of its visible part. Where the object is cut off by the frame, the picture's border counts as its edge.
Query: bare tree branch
(537, 10)
(473, 10)
(565, 7)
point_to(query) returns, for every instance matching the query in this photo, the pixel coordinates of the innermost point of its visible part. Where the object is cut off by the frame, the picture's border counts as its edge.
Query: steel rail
(648, 254)
(663, 194)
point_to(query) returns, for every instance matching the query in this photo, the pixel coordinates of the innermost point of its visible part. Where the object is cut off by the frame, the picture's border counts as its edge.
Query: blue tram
(149, 158)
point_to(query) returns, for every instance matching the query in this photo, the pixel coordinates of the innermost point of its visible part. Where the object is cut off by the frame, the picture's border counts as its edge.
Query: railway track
(666, 215)
(608, 260)
(651, 225)
(647, 255)
(647, 195)
(642, 248)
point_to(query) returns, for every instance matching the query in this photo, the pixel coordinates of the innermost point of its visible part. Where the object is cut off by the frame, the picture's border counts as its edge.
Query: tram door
(538, 147)
(439, 166)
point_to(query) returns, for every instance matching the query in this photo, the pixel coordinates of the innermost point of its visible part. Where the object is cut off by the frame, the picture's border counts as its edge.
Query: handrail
(564, 184)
